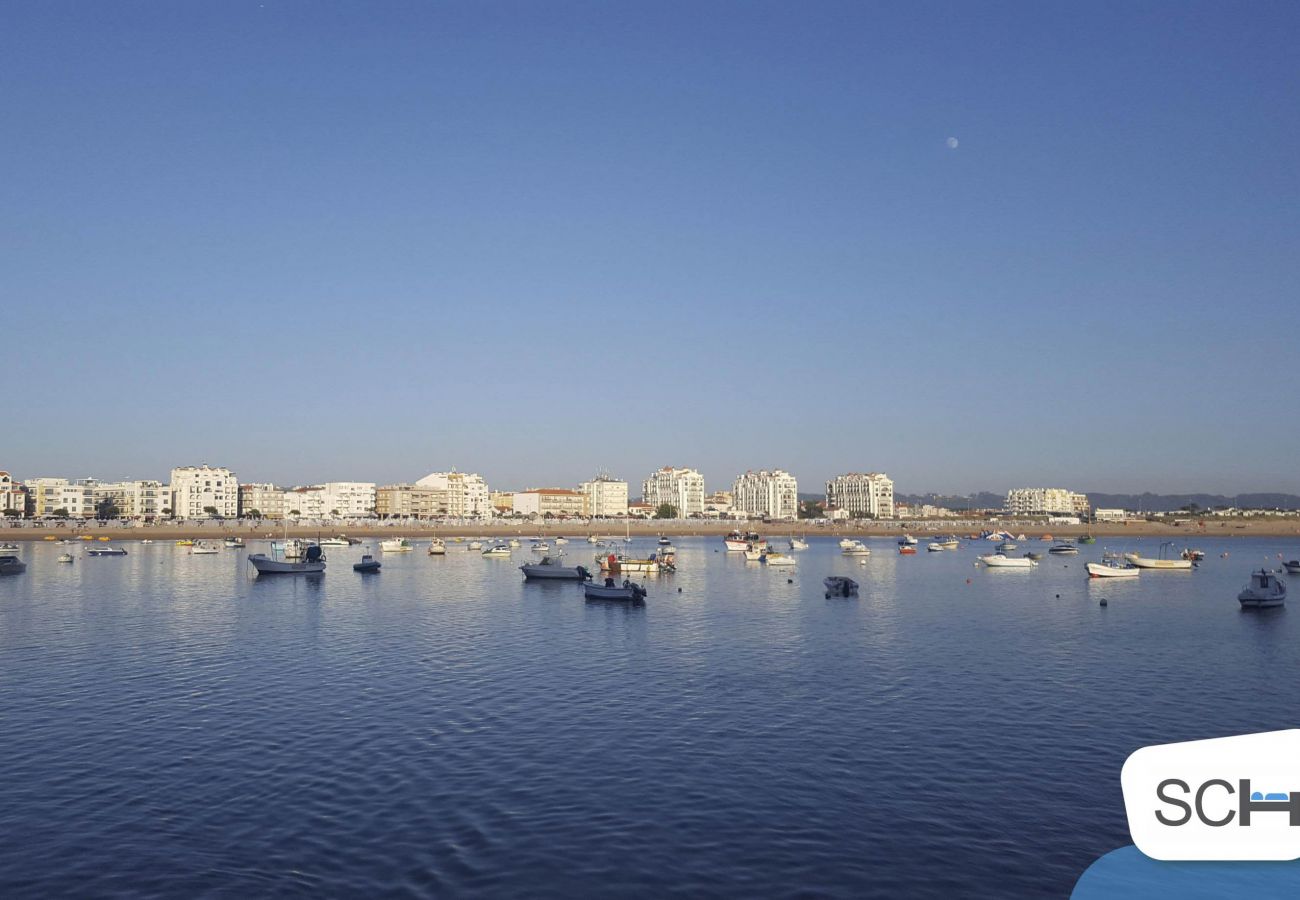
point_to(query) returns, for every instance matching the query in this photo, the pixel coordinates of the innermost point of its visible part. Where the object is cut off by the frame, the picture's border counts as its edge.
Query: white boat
(908, 541)
(663, 541)
(1265, 590)
(592, 539)
(497, 549)
(948, 542)
(514, 542)
(561, 541)
(781, 560)
(627, 591)
(754, 554)
(1065, 548)
(475, 545)
(1146, 562)
(105, 551)
(798, 544)
(234, 543)
(839, 586)
(613, 563)
(336, 541)
(549, 567)
(855, 548)
(396, 545)
(312, 563)
(1006, 547)
(437, 547)
(541, 547)
(845, 543)
(203, 548)
(934, 548)
(1292, 567)
(999, 561)
(736, 541)
(65, 557)
(1111, 570)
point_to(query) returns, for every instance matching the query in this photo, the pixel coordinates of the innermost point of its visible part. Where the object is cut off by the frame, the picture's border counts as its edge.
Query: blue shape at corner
(1127, 873)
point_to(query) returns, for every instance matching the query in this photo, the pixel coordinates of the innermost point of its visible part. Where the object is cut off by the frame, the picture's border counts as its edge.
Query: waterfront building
(556, 502)
(306, 502)
(76, 499)
(13, 497)
(862, 494)
(409, 501)
(196, 489)
(1111, 515)
(144, 500)
(502, 502)
(1044, 502)
(639, 509)
(348, 499)
(264, 500)
(683, 489)
(767, 494)
(604, 497)
(467, 495)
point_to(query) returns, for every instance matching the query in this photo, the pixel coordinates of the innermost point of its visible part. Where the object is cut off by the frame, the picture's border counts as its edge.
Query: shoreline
(217, 530)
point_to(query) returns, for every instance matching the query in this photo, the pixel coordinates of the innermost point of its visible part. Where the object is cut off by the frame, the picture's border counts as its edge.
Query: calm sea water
(170, 725)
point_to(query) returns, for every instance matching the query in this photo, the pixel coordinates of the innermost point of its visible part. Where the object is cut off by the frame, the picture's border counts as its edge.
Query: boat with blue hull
(312, 563)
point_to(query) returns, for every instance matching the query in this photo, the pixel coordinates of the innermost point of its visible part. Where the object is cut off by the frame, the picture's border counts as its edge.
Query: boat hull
(630, 594)
(554, 573)
(267, 566)
(1098, 570)
(1144, 563)
(997, 561)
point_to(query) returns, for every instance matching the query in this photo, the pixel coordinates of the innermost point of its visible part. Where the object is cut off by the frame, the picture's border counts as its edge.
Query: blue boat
(368, 564)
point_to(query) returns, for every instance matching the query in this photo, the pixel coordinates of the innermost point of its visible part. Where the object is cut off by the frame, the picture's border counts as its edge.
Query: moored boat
(628, 591)
(934, 548)
(1087, 539)
(1111, 570)
(855, 548)
(549, 567)
(1193, 555)
(839, 586)
(312, 563)
(737, 541)
(12, 565)
(1000, 561)
(65, 557)
(233, 543)
(798, 544)
(203, 548)
(1005, 547)
(1265, 590)
(1292, 567)
(773, 558)
(498, 549)
(437, 547)
(396, 545)
(908, 541)
(105, 551)
(1065, 548)
(1162, 562)
(368, 564)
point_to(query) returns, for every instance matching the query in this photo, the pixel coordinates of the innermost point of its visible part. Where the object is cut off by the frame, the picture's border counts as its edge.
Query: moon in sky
(952, 143)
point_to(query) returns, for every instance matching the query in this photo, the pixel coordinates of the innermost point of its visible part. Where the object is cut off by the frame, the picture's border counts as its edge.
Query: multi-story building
(146, 500)
(770, 494)
(604, 497)
(639, 509)
(1044, 502)
(261, 500)
(198, 489)
(683, 489)
(13, 497)
(306, 502)
(1082, 508)
(503, 502)
(349, 499)
(556, 502)
(467, 495)
(76, 499)
(718, 504)
(862, 494)
(1111, 515)
(408, 501)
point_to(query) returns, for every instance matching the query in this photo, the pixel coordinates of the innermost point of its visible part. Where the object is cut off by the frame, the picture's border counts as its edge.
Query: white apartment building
(306, 502)
(467, 495)
(1111, 515)
(196, 488)
(348, 499)
(718, 505)
(266, 500)
(147, 500)
(1045, 502)
(604, 497)
(858, 493)
(555, 501)
(76, 498)
(773, 495)
(683, 489)
(13, 496)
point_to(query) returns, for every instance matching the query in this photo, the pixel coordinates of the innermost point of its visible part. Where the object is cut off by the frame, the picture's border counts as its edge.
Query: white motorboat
(1292, 567)
(627, 591)
(549, 567)
(475, 545)
(1265, 590)
(437, 547)
(1065, 548)
(934, 548)
(839, 586)
(541, 547)
(312, 563)
(754, 554)
(736, 541)
(498, 549)
(1146, 562)
(396, 545)
(1006, 547)
(1000, 561)
(202, 548)
(664, 542)
(845, 543)
(1111, 570)
(65, 557)
(592, 539)
(908, 541)
(233, 543)
(561, 541)
(620, 563)
(105, 551)
(798, 544)
(514, 542)
(855, 548)
(337, 541)
(948, 542)
(780, 560)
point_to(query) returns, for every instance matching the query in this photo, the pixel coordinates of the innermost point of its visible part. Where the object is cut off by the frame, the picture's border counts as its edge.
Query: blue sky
(364, 241)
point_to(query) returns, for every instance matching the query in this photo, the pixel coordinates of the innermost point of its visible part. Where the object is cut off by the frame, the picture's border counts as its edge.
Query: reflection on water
(173, 725)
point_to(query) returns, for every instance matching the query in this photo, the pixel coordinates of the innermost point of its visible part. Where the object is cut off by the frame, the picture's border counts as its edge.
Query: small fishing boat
(736, 541)
(798, 544)
(592, 539)
(1032, 554)
(948, 542)
(540, 547)
(234, 543)
(437, 547)
(839, 586)
(855, 548)
(1111, 570)
(12, 565)
(496, 550)
(1193, 555)
(628, 591)
(907, 550)
(8, 548)
(368, 564)
(754, 554)
(934, 548)
(105, 551)
(1163, 562)
(1087, 539)
(845, 543)
(337, 541)
(908, 541)
(1265, 590)
(780, 560)
(1065, 548)
(619, 563)
(514, 542)
(561, 541)
(203, 548)
(396, 545)
(312, 563)
(65, 557)
(1000, 561)
(1005, 547)
(549, 567)
(1292, 567)
(475, 545)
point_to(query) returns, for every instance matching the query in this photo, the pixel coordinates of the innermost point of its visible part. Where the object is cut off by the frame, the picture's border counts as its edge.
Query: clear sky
(364, 241)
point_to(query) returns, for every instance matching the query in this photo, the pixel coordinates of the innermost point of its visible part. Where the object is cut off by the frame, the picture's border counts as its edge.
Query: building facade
(49, 496)
(683, 489)
(1044, 502)
(348, 499)
(195, 489)
(261, 500)
(718, 505)
(467, 495)
(556, 502)
(408, 501)
(862, 494)
(13, 497)
(768, 494)
(604, 497)
(145, 500)
(503, 502)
